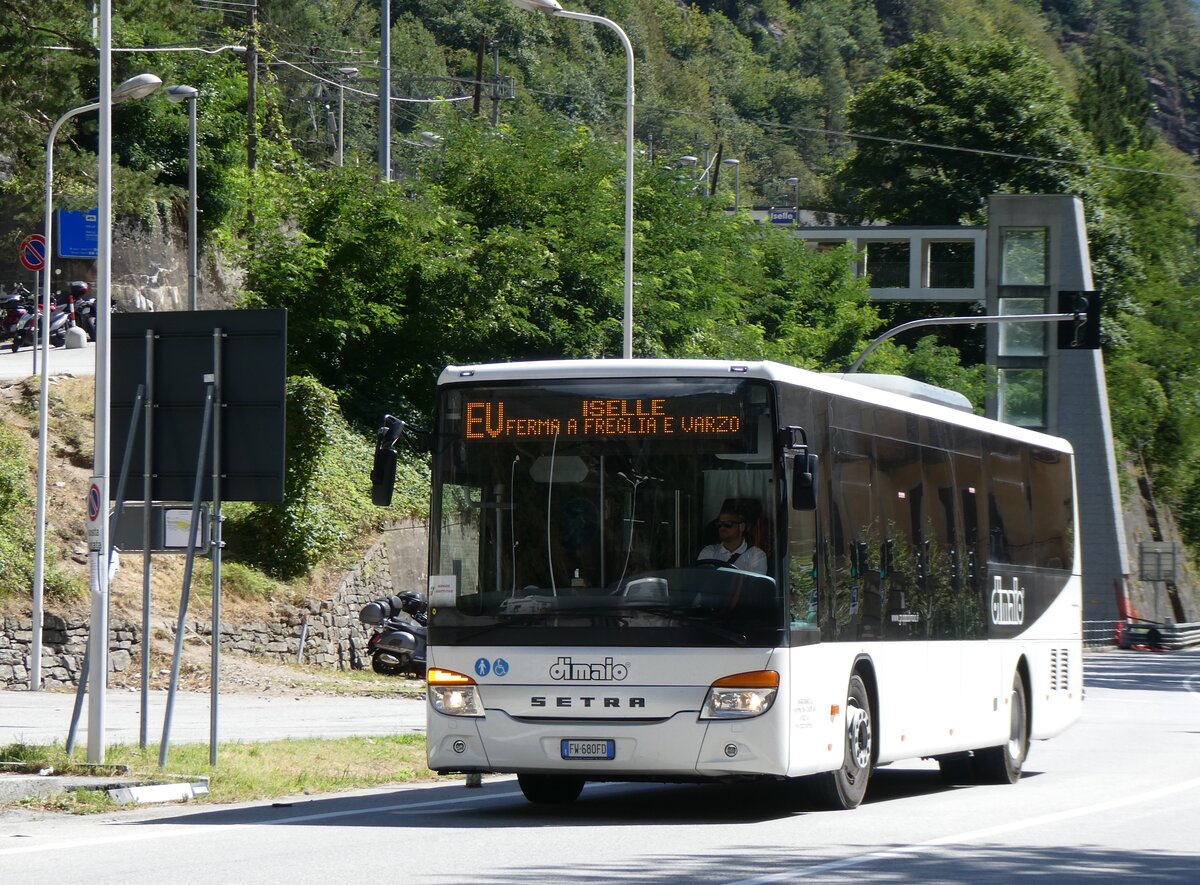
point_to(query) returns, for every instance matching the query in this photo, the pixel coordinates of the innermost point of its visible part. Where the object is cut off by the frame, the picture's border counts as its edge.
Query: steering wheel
(711, 563)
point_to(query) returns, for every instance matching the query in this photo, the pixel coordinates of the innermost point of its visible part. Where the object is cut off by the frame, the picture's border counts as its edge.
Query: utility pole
(479, 74)
(252, 87)
(495, 82)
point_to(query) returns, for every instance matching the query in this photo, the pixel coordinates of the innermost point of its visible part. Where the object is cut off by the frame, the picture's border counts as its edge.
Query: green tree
(987, 100)
(1113, 102)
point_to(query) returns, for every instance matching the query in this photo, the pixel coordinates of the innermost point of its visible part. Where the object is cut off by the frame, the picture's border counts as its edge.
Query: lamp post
(135, 87)
(189, 94)
(737, 184)
(385, 90)
(346, 73)
(552, 7)
(795, 182)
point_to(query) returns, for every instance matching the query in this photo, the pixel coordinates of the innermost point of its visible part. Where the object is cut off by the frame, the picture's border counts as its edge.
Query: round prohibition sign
(94, 503)
(33, 252)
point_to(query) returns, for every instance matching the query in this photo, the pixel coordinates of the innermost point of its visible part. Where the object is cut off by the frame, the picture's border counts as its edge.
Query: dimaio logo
(567, 670)
(1008, 606)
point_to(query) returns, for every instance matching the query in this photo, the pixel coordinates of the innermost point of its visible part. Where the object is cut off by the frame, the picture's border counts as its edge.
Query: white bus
(920, 595)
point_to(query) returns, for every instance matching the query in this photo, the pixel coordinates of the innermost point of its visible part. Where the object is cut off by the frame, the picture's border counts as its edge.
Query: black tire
(550, 789)
(1002, 765)
(845, 788)
(58, 339)
(385, 669)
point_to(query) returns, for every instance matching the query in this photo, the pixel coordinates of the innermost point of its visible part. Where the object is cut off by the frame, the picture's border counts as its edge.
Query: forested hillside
(500, 236)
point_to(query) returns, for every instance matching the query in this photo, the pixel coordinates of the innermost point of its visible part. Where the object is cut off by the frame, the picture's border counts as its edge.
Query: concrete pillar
(1076, 396)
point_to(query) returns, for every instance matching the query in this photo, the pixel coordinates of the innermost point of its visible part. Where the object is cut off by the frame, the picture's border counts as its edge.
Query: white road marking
(970, 836)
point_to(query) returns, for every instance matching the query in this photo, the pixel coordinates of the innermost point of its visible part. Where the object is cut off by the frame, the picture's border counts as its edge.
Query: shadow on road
(612, 804)
(1144, 670)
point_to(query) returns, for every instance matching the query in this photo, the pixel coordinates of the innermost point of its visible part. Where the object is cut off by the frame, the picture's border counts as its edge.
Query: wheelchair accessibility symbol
(500, 667)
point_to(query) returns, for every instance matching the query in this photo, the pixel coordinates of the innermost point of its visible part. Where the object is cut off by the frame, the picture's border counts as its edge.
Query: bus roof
(917, 399)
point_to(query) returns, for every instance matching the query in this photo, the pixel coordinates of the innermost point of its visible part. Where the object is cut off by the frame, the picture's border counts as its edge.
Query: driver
(732, 547)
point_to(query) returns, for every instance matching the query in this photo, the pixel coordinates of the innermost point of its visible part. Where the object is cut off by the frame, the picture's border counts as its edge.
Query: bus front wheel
(845, 787)
(550, 789)
(1002, 765)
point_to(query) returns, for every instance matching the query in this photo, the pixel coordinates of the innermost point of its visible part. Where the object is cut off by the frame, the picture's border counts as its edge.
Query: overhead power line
(863, 136)
(356, 91)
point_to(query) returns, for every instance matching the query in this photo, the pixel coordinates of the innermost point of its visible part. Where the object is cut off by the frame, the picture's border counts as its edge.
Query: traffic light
(1082, 332)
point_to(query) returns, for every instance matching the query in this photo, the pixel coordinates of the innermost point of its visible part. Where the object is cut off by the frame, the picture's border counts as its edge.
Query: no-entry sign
(33, 252)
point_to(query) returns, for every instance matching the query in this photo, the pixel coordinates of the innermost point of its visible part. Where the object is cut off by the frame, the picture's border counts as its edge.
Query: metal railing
(1099, 634)
(1134, 633)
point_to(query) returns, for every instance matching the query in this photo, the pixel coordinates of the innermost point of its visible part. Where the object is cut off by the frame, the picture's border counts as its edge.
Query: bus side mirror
(383, 477)
(383, 471)
(804, 482)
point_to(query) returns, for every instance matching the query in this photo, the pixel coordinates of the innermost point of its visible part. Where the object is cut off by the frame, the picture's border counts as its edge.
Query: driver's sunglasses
(726, 523)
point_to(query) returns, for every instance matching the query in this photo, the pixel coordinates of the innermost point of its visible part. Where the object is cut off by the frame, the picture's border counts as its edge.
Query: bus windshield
(577, 512)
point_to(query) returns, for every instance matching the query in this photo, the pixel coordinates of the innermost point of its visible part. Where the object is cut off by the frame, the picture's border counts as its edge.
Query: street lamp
(135, 87)
(796, 183)
(737, 184)
(552, 7)
(177, 94)
(346, 73)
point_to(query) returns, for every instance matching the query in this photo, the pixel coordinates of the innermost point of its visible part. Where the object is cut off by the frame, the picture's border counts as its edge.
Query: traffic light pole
(1078, 317)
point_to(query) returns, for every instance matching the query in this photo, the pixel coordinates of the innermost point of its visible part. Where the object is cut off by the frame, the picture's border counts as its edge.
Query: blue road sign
(78, 233)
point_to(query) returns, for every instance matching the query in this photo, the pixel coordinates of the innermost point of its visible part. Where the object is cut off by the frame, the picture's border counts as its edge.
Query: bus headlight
(453, 693)
(741, 696)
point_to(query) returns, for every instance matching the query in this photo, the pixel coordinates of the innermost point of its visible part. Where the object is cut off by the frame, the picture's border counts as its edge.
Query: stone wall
(331, 632)
(63, 647)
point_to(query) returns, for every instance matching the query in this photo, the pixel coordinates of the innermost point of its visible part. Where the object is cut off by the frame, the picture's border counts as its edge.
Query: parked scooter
(29, 327)
(398, 643)
(12, 307)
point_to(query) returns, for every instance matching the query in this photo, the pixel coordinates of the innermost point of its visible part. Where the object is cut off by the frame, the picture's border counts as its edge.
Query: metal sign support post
(147, 475)
(85, 667)
(187, 575)
(215, 683)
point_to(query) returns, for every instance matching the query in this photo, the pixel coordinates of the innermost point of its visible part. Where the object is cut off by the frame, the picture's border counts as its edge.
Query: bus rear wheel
(845, 787)
(550, 789)
(1002, 765)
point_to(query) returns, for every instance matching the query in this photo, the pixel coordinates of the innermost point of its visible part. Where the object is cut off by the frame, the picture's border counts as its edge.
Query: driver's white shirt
(751, 560)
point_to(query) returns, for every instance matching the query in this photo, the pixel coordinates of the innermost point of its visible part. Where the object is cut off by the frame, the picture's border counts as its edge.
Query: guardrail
(1099, 634)
(1162, 637)
(1137, 633)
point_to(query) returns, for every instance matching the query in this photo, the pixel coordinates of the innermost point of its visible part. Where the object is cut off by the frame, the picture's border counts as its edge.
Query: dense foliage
(504, 242)
(327, 505)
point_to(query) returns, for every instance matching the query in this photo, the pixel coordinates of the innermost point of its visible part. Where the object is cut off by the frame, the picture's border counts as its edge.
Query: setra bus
(917, 594)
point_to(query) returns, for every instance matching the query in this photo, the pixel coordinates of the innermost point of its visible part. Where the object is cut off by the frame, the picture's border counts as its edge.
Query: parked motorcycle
(12, 307)
(398, 643)
(83, 302)
(29, 327)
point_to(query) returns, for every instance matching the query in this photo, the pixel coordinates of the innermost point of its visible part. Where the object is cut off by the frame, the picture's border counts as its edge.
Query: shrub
(327, 501)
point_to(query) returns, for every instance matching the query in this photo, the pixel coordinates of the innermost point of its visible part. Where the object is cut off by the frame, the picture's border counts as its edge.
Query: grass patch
(244, 771)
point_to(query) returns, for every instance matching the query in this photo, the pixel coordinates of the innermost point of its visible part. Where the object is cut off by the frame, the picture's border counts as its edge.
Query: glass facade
(1022, 339)
(1022, 397)
(1023, 256)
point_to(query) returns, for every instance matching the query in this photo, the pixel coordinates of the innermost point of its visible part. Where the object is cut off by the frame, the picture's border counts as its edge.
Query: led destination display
(582, 418)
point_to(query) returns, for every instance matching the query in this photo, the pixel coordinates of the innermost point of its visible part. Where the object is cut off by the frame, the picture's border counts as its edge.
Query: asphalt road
(1117, 797)
(63, 361)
